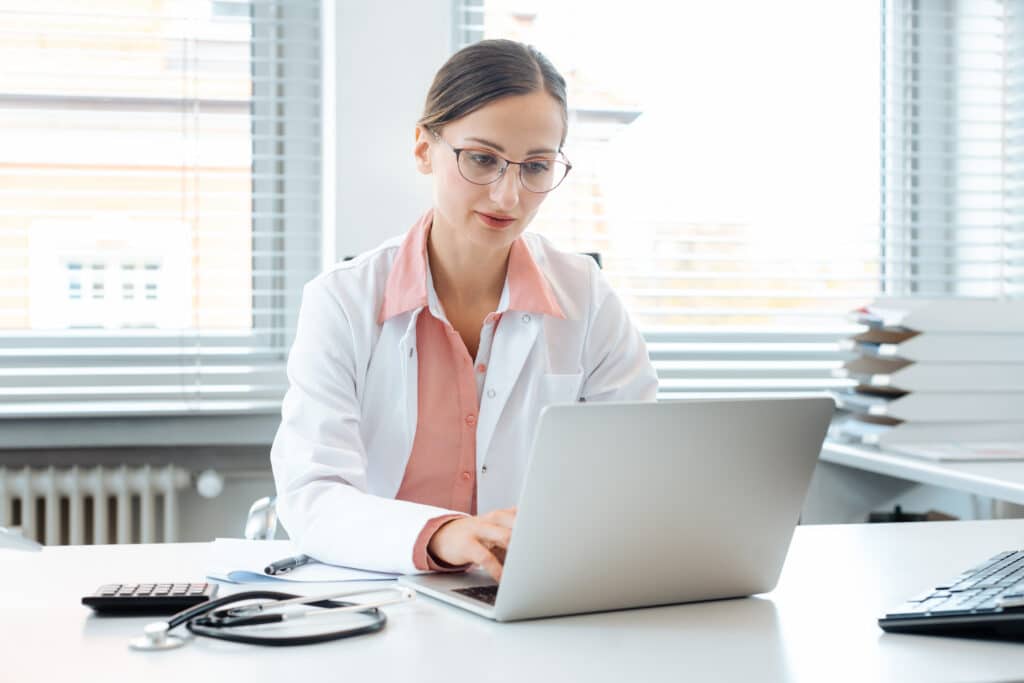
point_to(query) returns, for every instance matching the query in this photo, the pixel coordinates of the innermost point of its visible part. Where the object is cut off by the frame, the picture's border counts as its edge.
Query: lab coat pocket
(559, 388)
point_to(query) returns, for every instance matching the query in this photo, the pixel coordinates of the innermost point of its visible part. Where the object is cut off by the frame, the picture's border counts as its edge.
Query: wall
(385, 61)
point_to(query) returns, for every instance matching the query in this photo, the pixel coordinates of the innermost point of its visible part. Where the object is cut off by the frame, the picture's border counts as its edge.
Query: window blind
(737, 277)
(952, 153)
(742, 186)
(159, 203)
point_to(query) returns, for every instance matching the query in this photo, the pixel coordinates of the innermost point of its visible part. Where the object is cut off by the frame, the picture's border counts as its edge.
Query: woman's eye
(483, 160)
(537, 167)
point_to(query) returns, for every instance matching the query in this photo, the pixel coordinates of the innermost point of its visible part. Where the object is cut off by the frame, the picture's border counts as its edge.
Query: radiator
(92, 505)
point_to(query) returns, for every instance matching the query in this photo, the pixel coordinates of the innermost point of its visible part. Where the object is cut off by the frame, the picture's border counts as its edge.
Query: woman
(419, 369)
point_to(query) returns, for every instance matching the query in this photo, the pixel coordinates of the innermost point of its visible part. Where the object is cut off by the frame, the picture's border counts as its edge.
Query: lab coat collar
(410, 286)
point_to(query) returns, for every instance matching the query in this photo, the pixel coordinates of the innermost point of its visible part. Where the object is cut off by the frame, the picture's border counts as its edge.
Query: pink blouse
(441, 470)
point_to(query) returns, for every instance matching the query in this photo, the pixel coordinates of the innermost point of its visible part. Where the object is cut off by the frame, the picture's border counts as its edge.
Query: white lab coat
(349, 416)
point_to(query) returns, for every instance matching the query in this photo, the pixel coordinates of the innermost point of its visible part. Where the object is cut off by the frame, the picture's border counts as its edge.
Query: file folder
(947, 348)
(853, 429)
(937, 406)
(899, 373)
(1000, 316)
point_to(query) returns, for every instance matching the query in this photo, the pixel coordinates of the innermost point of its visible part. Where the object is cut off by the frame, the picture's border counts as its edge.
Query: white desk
(1003, 480)
(805, 630)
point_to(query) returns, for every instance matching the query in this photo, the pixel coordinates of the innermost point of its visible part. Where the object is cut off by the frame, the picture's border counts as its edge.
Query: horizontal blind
(1013, 140)
(951, 149)
(754, 195)
(159, 203)
(739, 277)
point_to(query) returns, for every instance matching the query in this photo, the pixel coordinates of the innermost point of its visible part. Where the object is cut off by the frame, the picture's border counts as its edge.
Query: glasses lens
(543, 175)
(480, 167)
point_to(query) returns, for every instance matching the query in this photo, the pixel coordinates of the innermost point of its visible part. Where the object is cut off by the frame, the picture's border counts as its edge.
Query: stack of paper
(935, 371)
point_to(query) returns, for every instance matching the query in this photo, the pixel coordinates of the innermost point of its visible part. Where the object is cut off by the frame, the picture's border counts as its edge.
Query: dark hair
(486, 71)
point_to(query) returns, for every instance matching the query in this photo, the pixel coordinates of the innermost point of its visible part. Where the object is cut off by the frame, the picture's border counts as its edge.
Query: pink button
(466, 476)
(481, 368)
(471, 419)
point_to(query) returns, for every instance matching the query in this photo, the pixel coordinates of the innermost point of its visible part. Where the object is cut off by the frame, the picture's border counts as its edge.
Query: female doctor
(419, 369)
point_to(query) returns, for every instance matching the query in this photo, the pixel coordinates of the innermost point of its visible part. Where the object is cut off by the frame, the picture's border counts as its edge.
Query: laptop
(641, 504)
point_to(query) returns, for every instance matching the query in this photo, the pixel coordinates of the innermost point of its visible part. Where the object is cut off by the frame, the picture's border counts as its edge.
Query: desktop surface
(818, 624)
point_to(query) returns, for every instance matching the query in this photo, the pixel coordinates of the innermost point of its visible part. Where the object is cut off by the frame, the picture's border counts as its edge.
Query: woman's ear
(421, 150)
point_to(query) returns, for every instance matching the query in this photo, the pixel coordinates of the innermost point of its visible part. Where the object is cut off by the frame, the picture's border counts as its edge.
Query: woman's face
(515, 128)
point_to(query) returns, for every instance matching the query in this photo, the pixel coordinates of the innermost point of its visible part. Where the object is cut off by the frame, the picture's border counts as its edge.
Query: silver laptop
(640, 504)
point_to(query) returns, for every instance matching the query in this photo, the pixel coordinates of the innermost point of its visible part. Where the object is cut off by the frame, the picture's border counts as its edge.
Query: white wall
(386, 55)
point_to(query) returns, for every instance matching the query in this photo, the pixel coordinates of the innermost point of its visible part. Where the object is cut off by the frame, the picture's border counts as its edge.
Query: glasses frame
(508, 162)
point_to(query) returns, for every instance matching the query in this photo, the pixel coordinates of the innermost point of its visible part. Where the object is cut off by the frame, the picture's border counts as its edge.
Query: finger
(505, 518)
(492, 534)
(488, 562)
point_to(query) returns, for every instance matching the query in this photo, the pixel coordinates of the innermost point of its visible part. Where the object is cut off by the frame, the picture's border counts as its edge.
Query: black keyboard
(984, 601)
(486, 594)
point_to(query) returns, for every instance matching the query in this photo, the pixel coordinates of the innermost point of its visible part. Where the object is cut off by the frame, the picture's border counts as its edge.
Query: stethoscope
(213, 620)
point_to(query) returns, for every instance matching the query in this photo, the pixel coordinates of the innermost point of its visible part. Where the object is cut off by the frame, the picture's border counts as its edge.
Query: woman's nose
(505, 190)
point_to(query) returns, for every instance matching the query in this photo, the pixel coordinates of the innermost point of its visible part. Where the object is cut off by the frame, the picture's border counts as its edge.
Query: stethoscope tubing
(214, 627)
(319, 600)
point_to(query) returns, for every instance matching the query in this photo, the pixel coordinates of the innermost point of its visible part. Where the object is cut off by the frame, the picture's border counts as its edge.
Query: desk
(1000, 479)
(803, 631)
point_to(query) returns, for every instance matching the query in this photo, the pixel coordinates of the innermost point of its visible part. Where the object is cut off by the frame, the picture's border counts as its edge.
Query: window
(952, 221)
(728, 164)
(160, 209)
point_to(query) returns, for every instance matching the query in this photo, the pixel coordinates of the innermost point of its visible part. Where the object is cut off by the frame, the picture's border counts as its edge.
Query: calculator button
(107, 591)
(144, 589)
(128, 589)
(179, 589)
(196, 589)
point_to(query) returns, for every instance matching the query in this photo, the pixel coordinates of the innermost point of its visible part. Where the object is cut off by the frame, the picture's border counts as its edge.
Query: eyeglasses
(538, 174)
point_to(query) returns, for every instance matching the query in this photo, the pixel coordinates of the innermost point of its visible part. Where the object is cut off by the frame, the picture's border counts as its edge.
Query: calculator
(132, 599)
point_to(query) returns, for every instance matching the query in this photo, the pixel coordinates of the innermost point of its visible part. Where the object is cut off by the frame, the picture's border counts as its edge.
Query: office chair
(261, 524)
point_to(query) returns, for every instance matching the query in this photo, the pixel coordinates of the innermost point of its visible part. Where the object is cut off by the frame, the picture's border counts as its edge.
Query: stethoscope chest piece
(155, 637)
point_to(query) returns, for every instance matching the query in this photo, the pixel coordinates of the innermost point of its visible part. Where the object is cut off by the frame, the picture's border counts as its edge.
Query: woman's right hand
(480, 540)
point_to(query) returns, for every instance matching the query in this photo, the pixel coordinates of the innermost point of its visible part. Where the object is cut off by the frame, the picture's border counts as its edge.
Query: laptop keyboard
(990, 593)
(486, 594)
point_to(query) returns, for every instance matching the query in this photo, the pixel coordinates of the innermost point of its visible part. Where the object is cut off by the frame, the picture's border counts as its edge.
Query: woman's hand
(480, 540)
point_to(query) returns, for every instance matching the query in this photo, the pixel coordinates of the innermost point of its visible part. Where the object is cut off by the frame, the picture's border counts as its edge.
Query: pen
(286, 565)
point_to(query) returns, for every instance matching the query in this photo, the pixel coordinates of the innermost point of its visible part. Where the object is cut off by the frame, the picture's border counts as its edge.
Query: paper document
(961, 451)
(242, 561)
(11, 539)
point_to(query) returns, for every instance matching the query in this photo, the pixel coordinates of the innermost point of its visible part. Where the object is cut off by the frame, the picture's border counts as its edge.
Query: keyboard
(984, 601)
(486, 594)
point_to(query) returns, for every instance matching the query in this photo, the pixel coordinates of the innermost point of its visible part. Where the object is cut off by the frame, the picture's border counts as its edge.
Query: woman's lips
(495, 221)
